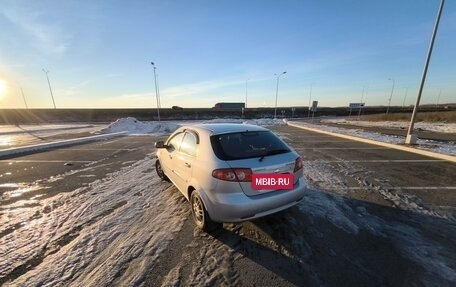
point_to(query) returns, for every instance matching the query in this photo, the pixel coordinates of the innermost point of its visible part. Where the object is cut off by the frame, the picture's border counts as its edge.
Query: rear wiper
(273, 152)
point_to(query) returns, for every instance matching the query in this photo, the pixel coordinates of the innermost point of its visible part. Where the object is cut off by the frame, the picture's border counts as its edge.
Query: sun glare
(2, 89)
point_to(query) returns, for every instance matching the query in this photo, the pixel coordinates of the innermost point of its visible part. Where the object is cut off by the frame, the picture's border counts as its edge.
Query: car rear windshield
(243, 145)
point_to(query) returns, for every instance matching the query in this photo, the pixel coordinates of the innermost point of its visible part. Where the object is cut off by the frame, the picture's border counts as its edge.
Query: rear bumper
(237, 207)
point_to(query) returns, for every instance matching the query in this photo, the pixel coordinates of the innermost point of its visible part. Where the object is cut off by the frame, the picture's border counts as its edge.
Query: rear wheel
(200, 215)
(159, 170)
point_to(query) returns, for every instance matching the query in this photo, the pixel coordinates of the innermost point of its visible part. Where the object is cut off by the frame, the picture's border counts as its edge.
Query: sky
(99, 53)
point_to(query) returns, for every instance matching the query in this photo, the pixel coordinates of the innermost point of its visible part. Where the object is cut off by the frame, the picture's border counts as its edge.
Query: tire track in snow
(110, 232)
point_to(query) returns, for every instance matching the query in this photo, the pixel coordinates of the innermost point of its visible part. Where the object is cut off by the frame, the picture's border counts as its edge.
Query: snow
(430, 145)
(132, 126)
(124, 126)
(439, 127)
(259, 122)
(327, 199)
(113, 231)
(135, 127)
(89, 236)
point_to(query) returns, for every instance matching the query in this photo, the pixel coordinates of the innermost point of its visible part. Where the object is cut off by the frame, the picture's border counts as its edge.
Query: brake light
(233, 174)
(298, 164)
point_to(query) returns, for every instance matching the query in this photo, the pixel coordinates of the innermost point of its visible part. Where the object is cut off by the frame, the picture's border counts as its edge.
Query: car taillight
(298, 164)
(233, 174)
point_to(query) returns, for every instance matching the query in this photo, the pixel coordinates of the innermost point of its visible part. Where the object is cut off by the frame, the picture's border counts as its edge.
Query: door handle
(187, 164)
(170, 156)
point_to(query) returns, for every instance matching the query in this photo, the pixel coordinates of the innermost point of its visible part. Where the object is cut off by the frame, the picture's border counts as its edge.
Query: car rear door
(170, 155)
(183, 161)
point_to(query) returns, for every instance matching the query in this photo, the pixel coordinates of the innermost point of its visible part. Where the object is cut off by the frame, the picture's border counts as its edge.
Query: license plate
(272, 181)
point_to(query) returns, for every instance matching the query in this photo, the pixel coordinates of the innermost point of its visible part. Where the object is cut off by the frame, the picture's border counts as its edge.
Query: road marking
(307, 137)
(380, 160)
(46, 161)
(406, 187)
(377, 148)
(322, 141)
(101, 149)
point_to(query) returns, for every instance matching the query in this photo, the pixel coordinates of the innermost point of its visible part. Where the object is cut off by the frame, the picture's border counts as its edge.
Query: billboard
(356, 105)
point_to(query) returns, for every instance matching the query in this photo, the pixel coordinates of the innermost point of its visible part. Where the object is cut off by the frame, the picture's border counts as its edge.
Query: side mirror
(160, 144)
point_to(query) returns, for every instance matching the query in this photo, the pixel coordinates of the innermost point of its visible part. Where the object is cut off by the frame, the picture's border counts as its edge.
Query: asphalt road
(372, 217)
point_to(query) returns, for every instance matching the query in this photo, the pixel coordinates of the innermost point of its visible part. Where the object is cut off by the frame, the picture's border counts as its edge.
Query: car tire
(158, 168)
(200, 215)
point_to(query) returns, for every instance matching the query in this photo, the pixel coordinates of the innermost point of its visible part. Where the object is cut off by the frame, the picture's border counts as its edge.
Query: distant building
(229, 106)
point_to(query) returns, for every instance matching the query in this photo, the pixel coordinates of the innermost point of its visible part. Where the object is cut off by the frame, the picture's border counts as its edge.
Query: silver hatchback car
(213, 165)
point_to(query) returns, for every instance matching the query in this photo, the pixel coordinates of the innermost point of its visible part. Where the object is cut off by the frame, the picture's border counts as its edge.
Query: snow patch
(133, 126)
(440, 127)
(108, 233)
(326, 198)
(264, 122)
(430, 145)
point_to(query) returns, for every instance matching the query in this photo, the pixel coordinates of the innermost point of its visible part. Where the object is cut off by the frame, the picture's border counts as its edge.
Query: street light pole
(389, 101)
(23, 97)
(156, 91)
(438, 98)
(277, 93)
(412, 138)
(246, 92)
(49, 83)
(361, 102)
(405, 97)
(310, 98)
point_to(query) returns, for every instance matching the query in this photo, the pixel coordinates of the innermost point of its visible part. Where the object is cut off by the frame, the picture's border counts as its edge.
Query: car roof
(224, 128)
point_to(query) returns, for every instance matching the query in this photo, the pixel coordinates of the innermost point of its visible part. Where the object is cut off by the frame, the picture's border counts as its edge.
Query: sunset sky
(98, 53)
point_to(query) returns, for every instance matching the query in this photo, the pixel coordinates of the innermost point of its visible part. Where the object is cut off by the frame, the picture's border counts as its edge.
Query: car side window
(188, 145)
(175, 142)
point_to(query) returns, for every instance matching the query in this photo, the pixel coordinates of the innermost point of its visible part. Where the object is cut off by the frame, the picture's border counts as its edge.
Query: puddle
(6, 141)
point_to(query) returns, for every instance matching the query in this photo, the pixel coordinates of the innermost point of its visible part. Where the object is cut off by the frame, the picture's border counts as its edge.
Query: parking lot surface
(97, 215)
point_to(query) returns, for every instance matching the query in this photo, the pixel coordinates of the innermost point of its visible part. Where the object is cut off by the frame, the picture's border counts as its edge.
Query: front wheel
(200, 215)
(159, 170)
